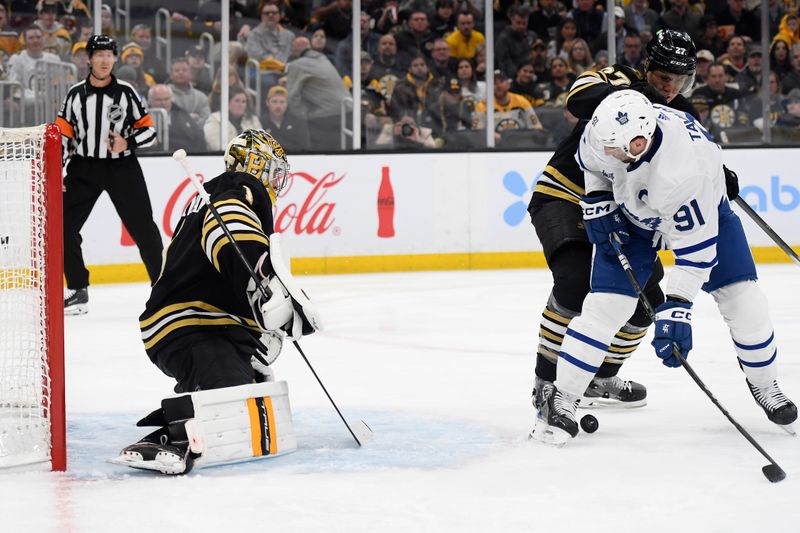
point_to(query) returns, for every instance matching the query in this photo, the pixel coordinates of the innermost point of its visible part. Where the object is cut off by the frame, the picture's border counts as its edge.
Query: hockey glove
(731, 183)
(673, 327)
(602, 217)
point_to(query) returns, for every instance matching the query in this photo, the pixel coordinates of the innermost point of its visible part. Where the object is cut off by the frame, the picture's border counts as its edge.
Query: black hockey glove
(731, 183)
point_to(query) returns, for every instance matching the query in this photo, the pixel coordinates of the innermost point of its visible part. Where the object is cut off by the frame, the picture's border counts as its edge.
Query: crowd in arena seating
(422, 65)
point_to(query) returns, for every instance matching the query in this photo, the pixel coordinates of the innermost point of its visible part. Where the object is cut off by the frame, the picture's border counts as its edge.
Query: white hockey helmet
(257, 153)
(620, 118)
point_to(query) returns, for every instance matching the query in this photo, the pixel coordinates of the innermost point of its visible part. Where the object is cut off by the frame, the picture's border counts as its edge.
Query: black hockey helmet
(101, 42)
(672, 51)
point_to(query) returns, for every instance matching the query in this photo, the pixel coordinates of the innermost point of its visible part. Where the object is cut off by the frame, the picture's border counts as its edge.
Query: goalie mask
(619, 119)
(257, 153)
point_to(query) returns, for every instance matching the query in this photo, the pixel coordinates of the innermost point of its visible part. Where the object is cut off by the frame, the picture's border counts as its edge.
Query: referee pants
(123, 180)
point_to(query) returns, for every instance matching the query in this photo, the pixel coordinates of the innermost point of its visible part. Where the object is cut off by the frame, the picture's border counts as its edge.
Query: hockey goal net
(32, 425)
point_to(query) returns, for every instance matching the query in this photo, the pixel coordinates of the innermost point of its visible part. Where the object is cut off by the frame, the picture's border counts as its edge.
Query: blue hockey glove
(673, 326)
(602, 217)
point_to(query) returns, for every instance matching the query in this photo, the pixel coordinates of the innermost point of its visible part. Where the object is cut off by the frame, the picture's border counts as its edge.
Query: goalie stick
(361, 432)
(772, 471)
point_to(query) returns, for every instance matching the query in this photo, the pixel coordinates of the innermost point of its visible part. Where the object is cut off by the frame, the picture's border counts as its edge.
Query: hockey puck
(589, 423)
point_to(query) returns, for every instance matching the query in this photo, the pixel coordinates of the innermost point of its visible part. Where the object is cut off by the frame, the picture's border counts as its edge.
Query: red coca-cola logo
(312, 215)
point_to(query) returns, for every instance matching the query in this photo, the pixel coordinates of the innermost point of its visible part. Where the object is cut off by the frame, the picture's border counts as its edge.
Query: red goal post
(32, 410)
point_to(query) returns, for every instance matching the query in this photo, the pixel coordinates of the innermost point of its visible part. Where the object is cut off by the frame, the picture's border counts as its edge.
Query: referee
(102, 123)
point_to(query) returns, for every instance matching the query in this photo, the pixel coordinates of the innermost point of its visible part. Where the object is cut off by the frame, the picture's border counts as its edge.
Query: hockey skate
(155, 452)
(555, 421)
(779, 409)
(76, 301)
(614, 392)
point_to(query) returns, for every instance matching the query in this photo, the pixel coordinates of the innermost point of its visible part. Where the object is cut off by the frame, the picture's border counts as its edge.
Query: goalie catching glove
(286, 307)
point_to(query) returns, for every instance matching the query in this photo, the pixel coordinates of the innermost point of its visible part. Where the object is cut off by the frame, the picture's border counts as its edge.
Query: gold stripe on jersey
(241, 222)
(556, 174)
(551, 191)
(587, 79)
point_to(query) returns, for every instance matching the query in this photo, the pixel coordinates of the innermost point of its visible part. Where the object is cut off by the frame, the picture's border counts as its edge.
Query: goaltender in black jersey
(216, 327)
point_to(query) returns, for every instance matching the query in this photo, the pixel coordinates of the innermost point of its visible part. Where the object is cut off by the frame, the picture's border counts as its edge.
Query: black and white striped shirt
(89, 114)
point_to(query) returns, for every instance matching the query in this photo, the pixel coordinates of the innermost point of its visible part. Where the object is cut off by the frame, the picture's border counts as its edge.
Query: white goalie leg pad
(302, 304)
(236, 424)
(588, 337)
(745, 309)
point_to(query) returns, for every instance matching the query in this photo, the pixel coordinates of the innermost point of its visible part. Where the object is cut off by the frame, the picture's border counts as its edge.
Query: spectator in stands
(200, 69)
(142, 35)
(55, 36)
(80, 59)
(183, 130)
(538, 58)
(480, 61)
(463, 42)
(567, 32)
(239, 119)
(735, 59)
(444, 20)
(776, 104)
(789, 30)
(680, 17)
(386, 16)
(405, 134)
(704, 60)
(337, 18)
(316, 92)
(85, 29)
(709, 38)
(600, 60)
(133, 57)
(4, 19)
(749, 79)
(641, 18)
(776, 13)
(415, 94)
(524, 84)
(234, 80)
(544, 21)
(472, 90)
(588, 20)
(554, 91)
(792, 79)
(269, 43)
(22, 13)
(184, 95)
(632, 53)
(579, 59)
(513, 45)
(723, 104)
(107, 21)
(442, 65)
(620, 32)
(288, 129)
(416, 39)
(21, 67)
(386, 68)
(319, 40)
(344, 50)
(511, 111)
(454, 114)
(780, 61)
(736, 20)
(790, 117)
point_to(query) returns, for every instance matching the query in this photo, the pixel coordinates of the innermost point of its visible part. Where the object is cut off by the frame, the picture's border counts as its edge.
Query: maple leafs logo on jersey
(622, 118)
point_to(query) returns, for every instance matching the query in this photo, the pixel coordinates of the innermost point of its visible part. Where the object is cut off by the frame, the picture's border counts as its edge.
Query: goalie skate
(555, 421)
(614, 392)
(160, 456)
(779, 409)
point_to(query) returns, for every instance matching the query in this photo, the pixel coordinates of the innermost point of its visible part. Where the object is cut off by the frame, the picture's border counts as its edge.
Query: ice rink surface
(441, 366)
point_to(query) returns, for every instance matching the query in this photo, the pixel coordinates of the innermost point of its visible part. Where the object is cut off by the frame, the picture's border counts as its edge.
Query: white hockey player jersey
(674, 190)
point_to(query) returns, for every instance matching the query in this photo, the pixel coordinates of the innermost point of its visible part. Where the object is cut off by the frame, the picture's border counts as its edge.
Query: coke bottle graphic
(385, 205)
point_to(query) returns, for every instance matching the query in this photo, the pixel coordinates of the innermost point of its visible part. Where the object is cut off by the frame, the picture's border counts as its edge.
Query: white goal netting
(26, 381)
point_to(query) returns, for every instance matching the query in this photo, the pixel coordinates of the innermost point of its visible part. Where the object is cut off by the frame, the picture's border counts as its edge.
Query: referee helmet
(101, 42)
(257, 153)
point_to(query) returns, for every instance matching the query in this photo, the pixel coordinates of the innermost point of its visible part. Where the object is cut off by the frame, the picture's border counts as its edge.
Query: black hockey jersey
(562, 178)
(203, 281)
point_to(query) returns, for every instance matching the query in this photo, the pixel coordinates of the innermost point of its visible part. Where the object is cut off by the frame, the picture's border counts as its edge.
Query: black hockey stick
(364, 431)
(761, 223)
(772, 471)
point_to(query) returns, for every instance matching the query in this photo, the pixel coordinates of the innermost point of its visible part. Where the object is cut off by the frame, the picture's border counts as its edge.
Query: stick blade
(774, 473)
(362, 432)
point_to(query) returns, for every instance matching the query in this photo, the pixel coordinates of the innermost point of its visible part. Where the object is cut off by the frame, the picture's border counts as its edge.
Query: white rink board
(444, 203)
